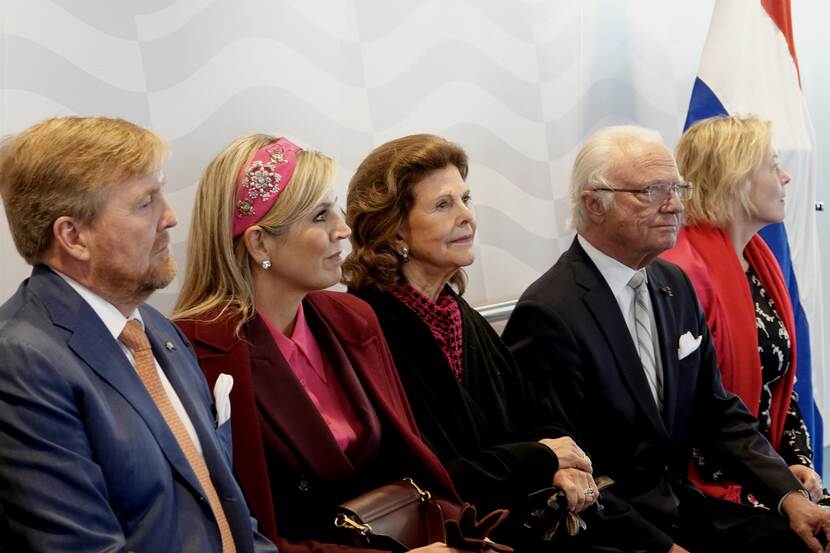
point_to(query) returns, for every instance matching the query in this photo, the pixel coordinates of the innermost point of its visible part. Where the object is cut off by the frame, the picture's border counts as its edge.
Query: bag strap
(435, 522)
(433, 514)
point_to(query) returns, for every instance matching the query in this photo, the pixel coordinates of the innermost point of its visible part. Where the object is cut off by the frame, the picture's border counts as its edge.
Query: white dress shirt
(115, 323)
(617, 275)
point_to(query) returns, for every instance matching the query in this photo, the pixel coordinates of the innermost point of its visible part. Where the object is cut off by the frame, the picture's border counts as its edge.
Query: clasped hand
(807, 520)
(574, 476)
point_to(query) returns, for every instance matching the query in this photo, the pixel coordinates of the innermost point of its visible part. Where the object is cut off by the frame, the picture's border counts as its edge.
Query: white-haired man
(617, 340)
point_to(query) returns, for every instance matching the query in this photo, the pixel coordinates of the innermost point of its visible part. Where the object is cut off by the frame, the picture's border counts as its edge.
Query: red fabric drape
(708, 257)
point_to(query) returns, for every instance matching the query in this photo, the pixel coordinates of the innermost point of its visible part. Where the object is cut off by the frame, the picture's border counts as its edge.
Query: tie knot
(637, 279)
(133, 336)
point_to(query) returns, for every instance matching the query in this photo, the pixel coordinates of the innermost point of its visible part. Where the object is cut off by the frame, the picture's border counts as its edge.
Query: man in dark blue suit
(105, 445)
(616, 339)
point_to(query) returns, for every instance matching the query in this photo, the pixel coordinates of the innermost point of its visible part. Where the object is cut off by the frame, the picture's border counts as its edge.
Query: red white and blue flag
(749, 66)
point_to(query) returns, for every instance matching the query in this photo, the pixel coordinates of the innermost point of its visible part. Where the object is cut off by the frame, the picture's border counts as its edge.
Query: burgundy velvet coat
(300, 442)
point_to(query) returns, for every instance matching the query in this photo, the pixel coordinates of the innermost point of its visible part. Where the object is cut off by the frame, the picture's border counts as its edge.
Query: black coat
(570, 338)
(484, 429)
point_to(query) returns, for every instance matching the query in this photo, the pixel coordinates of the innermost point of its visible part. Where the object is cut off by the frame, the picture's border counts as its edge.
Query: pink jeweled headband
(262, 181)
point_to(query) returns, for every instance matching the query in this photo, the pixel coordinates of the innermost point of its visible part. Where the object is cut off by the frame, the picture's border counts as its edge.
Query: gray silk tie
(645, 341)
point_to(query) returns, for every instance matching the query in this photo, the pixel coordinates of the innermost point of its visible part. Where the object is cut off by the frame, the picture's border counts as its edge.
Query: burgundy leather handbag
(401, 516)
(398, 517)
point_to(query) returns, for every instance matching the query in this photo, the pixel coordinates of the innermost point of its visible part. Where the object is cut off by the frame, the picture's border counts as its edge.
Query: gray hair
(596, 161)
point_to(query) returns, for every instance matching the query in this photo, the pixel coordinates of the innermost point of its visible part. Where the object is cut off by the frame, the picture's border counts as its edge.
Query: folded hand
(579, 488)
(807, 520)
(569, 454)
(809, 479)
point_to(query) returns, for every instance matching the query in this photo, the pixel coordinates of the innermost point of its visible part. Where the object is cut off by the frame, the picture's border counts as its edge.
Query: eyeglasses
(657, 192)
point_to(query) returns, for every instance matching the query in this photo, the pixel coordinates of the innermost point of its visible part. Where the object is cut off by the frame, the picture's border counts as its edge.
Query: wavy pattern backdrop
(519, 84)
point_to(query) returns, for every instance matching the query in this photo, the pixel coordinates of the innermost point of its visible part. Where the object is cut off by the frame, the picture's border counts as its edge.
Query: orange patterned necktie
(133, 337)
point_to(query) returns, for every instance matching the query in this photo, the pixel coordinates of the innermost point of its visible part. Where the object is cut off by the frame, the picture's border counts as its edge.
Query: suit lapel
(103, 355)
(94, 345)
(664, 318)
(283, 402)
(174, 362)
(606, 312)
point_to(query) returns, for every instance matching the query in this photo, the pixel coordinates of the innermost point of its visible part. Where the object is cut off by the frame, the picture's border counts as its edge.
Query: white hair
(596, 161)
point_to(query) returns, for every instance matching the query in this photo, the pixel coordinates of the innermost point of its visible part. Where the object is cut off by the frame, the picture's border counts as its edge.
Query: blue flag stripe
(704, 104)
(775, 236)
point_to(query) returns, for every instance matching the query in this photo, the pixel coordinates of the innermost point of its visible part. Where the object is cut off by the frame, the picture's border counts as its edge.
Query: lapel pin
(169, 346)
(665, 289)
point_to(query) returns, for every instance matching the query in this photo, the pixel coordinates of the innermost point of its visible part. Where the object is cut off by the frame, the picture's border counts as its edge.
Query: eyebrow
(450, 194)
(662, 181)
(152, 189)
(327, 203)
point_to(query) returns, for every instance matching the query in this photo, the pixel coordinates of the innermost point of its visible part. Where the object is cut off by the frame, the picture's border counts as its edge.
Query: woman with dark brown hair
(412, 232)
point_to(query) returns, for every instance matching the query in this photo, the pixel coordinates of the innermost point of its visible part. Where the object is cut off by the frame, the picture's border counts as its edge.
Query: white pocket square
(222, 398)
(687, 345)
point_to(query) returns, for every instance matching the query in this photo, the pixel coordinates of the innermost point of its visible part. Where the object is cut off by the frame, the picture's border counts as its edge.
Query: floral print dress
(774, 346)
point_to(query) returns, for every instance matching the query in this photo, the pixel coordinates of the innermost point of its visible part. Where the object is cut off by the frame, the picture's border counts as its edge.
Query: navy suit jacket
(569, 336)
(87, 463)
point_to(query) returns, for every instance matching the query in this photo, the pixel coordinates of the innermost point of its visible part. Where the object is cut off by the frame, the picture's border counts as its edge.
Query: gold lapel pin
(169, 346)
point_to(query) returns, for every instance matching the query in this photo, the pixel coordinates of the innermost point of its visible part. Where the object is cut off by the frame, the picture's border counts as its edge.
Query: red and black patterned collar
(442, 317)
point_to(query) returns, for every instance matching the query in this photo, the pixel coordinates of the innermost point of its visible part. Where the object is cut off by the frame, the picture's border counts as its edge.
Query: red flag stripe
(779, 11)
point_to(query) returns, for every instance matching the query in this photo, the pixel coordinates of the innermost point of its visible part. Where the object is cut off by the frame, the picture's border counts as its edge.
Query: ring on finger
(589, 492)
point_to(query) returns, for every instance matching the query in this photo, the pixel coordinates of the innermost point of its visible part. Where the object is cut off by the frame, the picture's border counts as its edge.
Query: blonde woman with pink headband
(319, 415)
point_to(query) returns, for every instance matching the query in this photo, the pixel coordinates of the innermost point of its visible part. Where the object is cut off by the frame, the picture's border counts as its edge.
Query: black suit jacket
(569, 336)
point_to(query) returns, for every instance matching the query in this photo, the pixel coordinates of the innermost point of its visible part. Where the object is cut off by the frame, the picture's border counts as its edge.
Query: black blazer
(569, 337)
(483, 429)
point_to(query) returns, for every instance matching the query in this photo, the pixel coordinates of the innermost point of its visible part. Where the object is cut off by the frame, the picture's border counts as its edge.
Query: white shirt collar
(107, 312)
(115, 323)
(615, 273)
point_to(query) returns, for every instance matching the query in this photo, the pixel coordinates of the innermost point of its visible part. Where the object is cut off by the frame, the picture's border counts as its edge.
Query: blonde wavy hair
(719, 155)
(60, 166)
(217, 279)
(379, 200)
